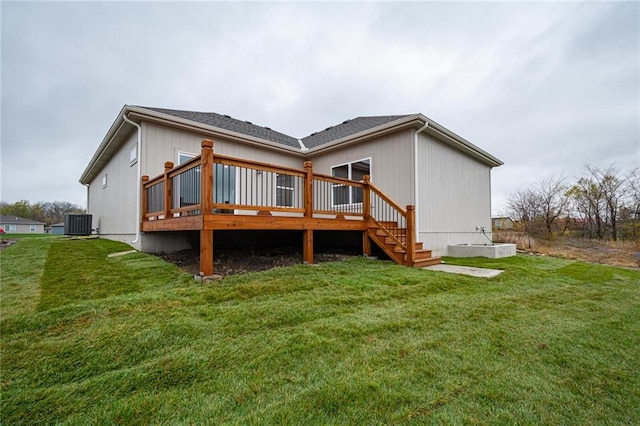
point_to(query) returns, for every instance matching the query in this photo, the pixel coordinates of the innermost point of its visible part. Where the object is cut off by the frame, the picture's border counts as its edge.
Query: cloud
(546, 87)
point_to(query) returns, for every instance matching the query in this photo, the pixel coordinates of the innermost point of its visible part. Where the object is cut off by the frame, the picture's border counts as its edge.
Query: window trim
(185, 154)
(133, 152)
(32, 228)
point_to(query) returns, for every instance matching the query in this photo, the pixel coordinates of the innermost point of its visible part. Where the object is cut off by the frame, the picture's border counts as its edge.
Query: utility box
(77, 224)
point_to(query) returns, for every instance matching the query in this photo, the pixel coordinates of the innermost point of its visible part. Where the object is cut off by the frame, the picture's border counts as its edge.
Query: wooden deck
(214, 192)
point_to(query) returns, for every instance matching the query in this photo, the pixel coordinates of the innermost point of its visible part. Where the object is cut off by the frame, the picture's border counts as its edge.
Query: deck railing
(218, 184)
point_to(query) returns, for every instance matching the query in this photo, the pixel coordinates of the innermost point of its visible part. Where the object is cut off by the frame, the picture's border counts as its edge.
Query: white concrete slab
(121, 253)
(465, 270)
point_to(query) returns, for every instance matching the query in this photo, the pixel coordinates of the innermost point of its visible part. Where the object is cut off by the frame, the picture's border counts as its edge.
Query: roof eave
(117, 124)
(138, 114)
(458, 142)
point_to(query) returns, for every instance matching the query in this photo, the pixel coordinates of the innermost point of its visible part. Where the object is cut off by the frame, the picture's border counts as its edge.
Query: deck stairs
(391, 239)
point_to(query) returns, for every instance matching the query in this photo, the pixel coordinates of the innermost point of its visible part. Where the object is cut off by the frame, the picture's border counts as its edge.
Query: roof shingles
(228, 123)
(347, 128)
(7, 218)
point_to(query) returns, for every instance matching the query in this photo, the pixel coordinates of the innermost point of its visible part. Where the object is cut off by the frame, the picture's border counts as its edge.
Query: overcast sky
(545, 87)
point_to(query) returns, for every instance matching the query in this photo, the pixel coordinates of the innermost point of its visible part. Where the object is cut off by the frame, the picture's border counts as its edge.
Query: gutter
(416, 181)
(139, 171)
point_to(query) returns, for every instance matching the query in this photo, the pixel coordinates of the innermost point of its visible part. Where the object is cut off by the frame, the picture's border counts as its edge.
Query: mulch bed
(232, 262)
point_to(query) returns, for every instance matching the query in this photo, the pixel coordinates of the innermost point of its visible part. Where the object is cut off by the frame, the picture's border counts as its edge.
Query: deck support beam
(307, 246)
(366, 244)
(206, 252)
(411, 235)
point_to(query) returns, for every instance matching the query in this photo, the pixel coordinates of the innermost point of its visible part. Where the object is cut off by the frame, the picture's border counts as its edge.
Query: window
(133, 155)
(32, 228)
(224, 178)
(343, 194)
(10, 228)
(285, 189)
(104, 181)
(187, 184)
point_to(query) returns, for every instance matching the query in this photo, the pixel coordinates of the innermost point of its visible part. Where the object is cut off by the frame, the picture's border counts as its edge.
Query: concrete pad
(121, 253)
(465, 270)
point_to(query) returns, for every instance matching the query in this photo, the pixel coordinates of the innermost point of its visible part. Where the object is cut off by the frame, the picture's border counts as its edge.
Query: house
(502, 223)
(19, 225)
(57, 228)
(407, 183)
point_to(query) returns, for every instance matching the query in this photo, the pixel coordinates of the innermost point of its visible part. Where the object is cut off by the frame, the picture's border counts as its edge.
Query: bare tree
(540, 207)
(602, 196)
(553, 199)
(613, 187)
(588, 203)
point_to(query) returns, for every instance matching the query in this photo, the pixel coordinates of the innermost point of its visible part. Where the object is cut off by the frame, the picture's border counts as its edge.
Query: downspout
(139, 170)
(87, 210)
(302, 146)
(416, 181)
(88, 186)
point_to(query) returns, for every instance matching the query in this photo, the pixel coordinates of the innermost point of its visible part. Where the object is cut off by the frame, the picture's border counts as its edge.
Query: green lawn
(88, 339)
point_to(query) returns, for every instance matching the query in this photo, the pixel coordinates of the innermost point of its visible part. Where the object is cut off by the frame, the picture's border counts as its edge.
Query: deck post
(366, 197)
(308, 189)
(366, 214)
(206, 206)
(366, 244)
(206, 252)
(144, 204)
(206, 176)
(411, 234)
(167, 189)
(307, 234)
(307, 246)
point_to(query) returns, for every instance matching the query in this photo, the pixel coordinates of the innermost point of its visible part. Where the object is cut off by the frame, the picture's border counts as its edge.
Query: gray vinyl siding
(114, 207)
(160, 144)
(391, 163)
(454, 196)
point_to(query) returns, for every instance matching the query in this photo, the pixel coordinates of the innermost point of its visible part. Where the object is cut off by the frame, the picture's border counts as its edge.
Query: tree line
(603, 203)
(43, 211)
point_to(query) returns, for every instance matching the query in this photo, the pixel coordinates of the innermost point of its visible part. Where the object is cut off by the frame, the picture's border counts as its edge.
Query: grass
(12, 236)
(133, 340)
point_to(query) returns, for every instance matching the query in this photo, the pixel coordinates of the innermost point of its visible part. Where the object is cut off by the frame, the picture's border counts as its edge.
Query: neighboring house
(19, 225)
(258, 171)
(57, 228)
(502, 223)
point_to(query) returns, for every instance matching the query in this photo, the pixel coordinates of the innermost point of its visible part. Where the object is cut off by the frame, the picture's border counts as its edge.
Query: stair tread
(392, 241)
(427, 262)
(416, 251)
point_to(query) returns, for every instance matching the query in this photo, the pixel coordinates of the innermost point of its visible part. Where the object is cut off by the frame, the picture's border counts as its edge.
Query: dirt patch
(6, 242)
(231, 262)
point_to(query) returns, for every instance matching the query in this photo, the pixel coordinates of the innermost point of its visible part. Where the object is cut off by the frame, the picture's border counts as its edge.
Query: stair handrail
(408, 214)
